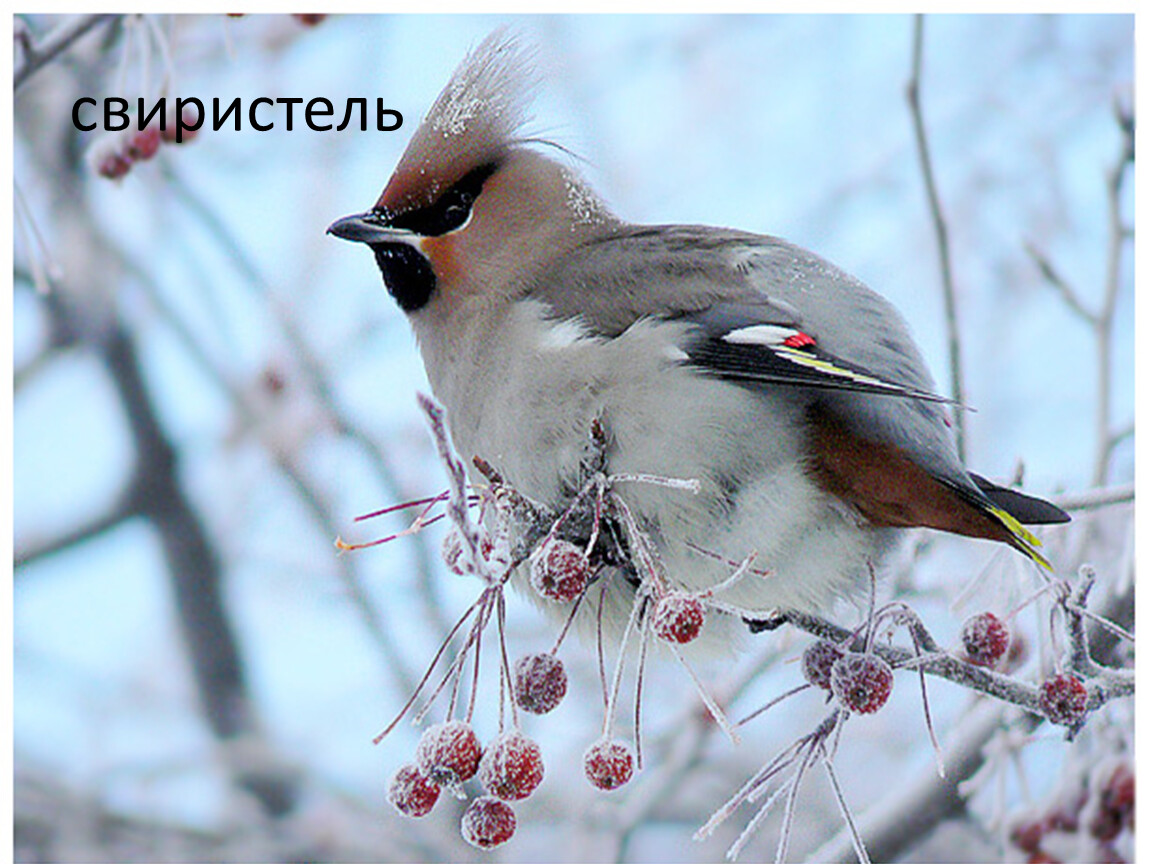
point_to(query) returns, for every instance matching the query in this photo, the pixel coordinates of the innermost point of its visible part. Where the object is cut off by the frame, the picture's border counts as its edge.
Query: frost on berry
(540, 682)
(678, 617)
(143, 144)
(487, 822)
(818, 660)
(448, 753)
(861, 682)
(608, 764)
(559, 570)
(511, 767)
(985, 638)
(1063, 699)
(412, 792)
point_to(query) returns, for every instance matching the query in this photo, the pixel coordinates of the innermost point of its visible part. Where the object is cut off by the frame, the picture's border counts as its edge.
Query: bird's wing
(766, 313)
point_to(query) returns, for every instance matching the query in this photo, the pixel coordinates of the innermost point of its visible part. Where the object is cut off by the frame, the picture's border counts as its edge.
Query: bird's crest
(473, 122)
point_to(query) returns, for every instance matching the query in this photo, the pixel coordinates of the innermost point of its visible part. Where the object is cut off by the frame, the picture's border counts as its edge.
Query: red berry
(113, 165)
(608, 764)
(540, 682)
(1115, 804)
(144, 144)
(1118, 793)
(487, 822)
(1063, 699)
(861, 682)
(678, 617)
(1028, 835)
(412, 792)
(818, 660)
(309, 20)
(448, 753)
(985, 638)
(559, 570)
(1105, 824)
(511, 767)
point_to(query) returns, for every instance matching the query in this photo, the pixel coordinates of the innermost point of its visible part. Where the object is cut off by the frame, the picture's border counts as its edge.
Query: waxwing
(789, 390)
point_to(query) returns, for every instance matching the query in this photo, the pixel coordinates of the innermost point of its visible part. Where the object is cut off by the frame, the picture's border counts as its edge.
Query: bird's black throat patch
(406, 273)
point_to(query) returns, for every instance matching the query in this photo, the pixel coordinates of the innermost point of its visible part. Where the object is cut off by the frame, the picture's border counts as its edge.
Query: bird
(789, 391)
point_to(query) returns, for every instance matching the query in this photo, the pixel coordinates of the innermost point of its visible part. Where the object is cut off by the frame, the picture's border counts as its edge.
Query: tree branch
(108, 520)
(942, 239)
(1108, 684)
(37, 55)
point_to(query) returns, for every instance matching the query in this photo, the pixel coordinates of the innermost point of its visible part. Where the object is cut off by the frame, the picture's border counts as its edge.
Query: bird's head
(474, 209)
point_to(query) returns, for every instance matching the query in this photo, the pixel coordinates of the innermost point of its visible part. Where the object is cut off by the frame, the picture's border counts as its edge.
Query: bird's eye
(451, 210)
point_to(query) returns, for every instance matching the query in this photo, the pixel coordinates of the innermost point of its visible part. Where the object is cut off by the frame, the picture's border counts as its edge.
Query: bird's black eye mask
(450, 210)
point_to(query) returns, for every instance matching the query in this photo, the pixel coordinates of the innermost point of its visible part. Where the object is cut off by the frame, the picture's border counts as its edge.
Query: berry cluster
(114, 155)
(448, 755)
(1086, 824)
(570, 558)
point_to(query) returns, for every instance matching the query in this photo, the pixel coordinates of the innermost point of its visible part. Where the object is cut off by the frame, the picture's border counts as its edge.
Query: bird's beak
(372, 228)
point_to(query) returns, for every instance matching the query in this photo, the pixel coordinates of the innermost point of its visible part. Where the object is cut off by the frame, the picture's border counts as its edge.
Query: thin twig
(1097, 498)
(942, 238)
(37, 55)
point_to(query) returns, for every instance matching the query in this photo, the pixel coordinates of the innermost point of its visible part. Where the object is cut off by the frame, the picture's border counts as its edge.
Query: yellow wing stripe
(802, 358)
(1027, 541)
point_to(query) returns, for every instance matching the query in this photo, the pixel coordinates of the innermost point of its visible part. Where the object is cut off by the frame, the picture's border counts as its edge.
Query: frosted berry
(448, 753)
(143, 144)
(608, 764)
(511, 767)
(861, 682)
(678, 617)
(559, 570)
(311, 20)
(540, 682)
(1063, 699)
(818, 660)
(412, 792)
(985, 638)
(113, 165)
(487, 822)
